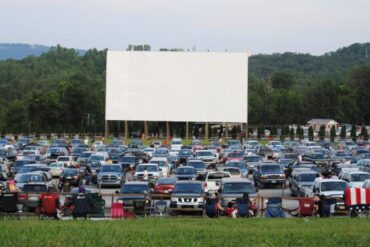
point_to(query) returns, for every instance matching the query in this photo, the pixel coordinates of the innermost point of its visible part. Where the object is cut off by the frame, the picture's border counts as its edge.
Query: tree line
(64, 91)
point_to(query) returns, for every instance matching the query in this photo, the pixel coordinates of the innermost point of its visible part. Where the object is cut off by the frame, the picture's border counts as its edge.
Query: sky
(257, 26)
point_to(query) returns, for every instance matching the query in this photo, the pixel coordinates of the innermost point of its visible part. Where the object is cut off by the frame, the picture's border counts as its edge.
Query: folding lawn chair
(8, 205)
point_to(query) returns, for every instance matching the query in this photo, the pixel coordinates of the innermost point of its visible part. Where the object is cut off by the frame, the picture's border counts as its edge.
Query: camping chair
(274, 208)
(327, 206)
(242, 205)
(97, 205)
(8, 205)
(49, 203)
(81, 206)
(306, 207)
(210, 207)
(160, 208)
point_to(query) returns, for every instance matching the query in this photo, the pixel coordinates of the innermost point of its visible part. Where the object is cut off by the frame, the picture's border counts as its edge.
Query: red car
(164, 185)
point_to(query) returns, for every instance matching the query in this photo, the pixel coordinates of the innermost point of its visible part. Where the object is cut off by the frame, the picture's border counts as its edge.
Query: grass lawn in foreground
(177, 232)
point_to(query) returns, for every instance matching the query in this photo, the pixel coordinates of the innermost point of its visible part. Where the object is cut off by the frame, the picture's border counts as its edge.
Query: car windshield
(20, 163)
(238, 188)
(204, 153)
(185, 152)
(359, 177)
(152, 168)
(318, 156)
(333, 186)
(234, 142)
(97, 158)
(270, 168)
(111, 168)
(176, 143)
(55, 164)
(128, 159)
(55, 150)
(134, 189)
(253, 158)
(185, 170)
(197, 165)
(232, 171)
(166, 181)
(70, 172)
(85, 155)
(188, 188)
(236, 164)
(34, 188)
(63, 159)
(161, 151)
(27, 178)
(236, 155)
(160, 163)
(306, 177)
(218, 176)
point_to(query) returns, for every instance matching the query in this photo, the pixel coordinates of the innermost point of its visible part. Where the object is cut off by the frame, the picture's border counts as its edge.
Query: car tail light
(22, 196)
(76, 177)
(205, 184)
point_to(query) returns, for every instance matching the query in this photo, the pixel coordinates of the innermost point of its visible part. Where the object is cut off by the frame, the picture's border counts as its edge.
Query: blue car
(268, 173)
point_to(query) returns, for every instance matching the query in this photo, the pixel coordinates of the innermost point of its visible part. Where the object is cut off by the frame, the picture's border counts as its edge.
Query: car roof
(357, 172)
(188, 182)
(235, 180)
(136, 182)
(328, 180)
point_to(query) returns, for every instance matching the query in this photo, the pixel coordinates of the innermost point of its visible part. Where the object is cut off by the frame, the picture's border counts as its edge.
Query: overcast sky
(259, 26)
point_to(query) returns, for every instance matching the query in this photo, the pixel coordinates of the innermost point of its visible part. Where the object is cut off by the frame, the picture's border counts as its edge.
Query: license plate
(68, 177)
(33, 198)
(273, 181)
(341, 207)
(166, 191)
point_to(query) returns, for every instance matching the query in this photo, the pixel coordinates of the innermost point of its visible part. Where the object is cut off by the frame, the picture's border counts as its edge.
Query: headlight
(174, 199)
(282, 175)
(263, 176)
(201, 199)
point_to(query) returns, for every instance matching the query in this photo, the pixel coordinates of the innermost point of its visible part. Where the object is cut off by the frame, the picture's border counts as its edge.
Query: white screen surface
(177, 86)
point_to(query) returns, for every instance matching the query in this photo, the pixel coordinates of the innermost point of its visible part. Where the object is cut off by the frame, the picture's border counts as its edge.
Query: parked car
(187, 195)
(56, 168)
(165, 185)
(152, 169)
(66, 160)
(136, 194)
(252, 161)
(234, 171)
(302, 182)
(356, 179)
(268, 174)
(110, 175)
(70, 175)
(208, 157)
(199, 166)
(29, 197)
(163, 164)
(240, 165)
(213, 180)
(232, 188)
(186, 173)
(30, 177)
(176, 144)
(184, 155)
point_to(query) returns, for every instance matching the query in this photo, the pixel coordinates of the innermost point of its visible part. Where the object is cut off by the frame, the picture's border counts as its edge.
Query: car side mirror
(116, 192)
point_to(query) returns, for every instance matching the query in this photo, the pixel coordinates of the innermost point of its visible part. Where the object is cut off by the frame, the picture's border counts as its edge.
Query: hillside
(20, 51)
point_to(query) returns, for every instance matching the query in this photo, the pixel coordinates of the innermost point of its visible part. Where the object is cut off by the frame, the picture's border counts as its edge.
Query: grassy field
(187, 232)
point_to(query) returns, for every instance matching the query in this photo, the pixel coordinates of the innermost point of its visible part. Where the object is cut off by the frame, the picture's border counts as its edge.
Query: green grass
(178, 232)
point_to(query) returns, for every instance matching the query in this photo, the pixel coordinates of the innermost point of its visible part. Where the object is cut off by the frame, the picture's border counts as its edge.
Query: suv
(187, 194)
(110, 175)
(252, 161)
(213, 180)
(186, 173)
(199, 166)
(184, 155)
(135, 194)
(268, 174)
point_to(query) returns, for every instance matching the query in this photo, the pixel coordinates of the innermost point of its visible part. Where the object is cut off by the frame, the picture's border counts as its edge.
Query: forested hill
(57, 90)
(306, 67)
(20, 51)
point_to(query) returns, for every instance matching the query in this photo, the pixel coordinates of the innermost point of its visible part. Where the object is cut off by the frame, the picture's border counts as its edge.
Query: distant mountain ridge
(20, 51)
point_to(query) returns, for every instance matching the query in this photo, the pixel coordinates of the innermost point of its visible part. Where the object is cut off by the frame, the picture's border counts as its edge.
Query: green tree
(322, 132)
(260, 132)
(354, 132)
(282, 80)
(310, 133)
(364, 133)
(333, 133)
(291, 134)
(343, 132)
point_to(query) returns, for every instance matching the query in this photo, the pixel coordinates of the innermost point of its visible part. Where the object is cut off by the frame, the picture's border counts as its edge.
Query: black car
(70, 175)
(184, 155)
(134, 196)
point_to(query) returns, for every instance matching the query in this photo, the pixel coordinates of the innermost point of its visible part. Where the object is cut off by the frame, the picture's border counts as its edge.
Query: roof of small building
(322, 121)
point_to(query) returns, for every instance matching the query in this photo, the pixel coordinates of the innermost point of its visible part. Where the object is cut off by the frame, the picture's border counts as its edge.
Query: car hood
(110, 173)
(186, 195)
(185, 175)
(356, 184)
(272, 173)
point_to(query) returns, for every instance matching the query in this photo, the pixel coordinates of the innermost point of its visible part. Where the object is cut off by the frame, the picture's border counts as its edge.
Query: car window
(217, 176)
(188, 188)
(236, 188)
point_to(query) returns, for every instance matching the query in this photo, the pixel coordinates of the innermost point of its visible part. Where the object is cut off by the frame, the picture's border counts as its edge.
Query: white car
(66, 160)
(163, 165)
(329, 187)
(213, 180)
(56, 168)
(149, 151)
(356, 179)
(97, 144)
(152, 171)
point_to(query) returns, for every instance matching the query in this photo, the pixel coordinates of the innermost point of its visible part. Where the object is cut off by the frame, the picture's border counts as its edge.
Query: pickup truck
(213, 180)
